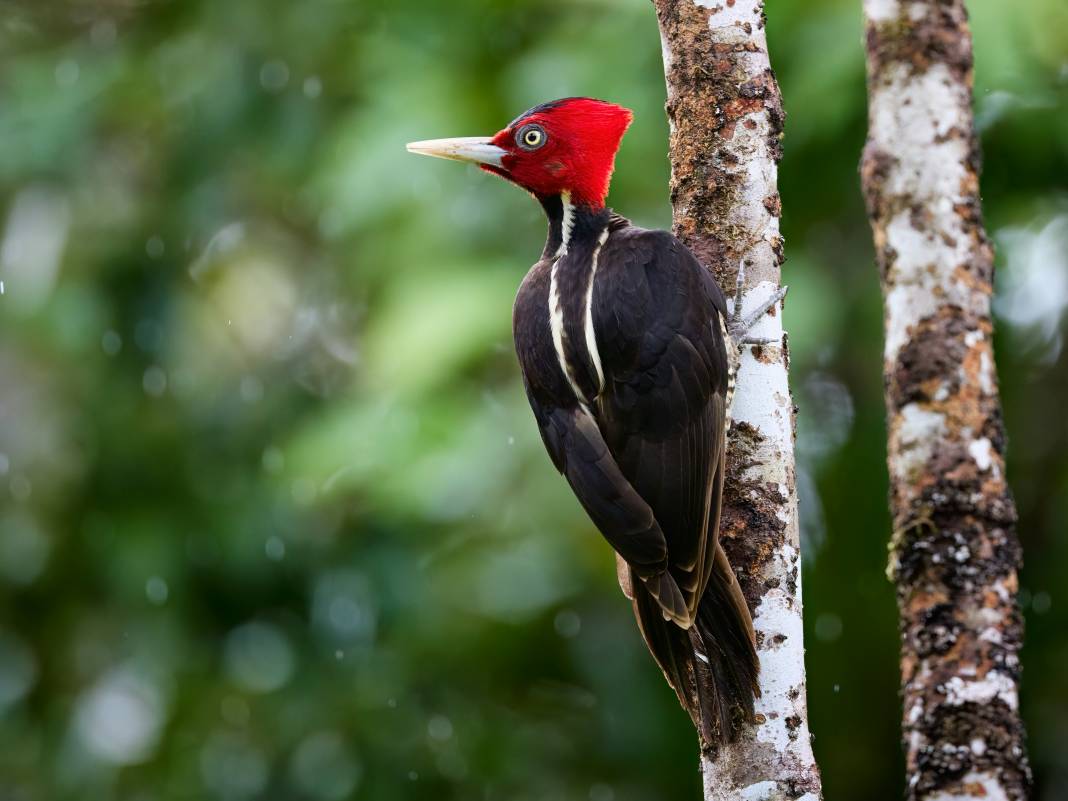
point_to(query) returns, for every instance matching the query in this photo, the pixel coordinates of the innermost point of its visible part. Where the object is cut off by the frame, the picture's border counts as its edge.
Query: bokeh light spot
(258, 657)
(324, 767)
(120, 718)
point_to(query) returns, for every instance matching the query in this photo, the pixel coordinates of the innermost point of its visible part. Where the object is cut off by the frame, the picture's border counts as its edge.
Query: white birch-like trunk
(954, 554)
(726, 122)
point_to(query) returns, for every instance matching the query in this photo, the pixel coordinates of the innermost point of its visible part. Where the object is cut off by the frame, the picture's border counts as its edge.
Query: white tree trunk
(726, 120)
(954, 554)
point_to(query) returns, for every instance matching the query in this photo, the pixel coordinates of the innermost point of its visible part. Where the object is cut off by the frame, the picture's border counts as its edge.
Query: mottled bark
(726, 121)
(954, 552)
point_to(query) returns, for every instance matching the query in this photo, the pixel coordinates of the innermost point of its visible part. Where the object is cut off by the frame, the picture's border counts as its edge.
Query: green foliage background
(275, 522)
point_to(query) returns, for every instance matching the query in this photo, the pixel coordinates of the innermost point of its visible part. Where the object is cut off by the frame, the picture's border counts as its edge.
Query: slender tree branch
(954, 553)
(726, 121)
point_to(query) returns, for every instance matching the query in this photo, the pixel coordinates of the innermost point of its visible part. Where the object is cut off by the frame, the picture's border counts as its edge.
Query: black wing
(657, 316)
(578, 449)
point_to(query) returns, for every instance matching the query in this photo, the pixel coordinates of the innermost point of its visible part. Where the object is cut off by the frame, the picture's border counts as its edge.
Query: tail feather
(665, 590)
(713, 665)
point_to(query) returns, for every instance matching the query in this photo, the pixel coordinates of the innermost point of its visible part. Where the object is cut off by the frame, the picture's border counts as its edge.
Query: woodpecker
(628, 356)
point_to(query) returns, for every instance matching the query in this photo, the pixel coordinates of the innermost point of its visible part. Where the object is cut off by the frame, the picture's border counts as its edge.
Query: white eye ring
(530, 137)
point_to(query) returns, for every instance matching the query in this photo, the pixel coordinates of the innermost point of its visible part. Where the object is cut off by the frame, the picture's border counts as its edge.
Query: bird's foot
(739, 324)
(760, 341)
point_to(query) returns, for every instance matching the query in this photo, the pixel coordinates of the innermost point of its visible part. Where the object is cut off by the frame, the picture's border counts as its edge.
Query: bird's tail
(713, 665)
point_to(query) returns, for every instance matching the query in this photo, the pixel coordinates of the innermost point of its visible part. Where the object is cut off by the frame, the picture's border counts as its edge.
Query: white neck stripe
(567, 223)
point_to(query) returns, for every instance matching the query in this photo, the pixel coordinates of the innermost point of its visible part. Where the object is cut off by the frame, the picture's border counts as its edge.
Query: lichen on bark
(726, 118)
(954, 551)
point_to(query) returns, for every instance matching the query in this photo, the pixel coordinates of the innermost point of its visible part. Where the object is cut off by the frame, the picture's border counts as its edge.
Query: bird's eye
(530, 137)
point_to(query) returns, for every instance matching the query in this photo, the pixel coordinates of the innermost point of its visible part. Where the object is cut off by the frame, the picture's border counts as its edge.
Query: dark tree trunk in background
(726, 122)
(954, 552)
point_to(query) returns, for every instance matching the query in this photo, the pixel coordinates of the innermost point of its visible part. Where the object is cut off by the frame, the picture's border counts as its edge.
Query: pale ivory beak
(475, 149)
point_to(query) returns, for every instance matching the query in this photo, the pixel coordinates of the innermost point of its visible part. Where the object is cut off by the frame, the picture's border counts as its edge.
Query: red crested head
(566, 146)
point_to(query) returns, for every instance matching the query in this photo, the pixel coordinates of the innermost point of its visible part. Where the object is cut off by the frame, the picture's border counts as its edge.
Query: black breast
(544, 379)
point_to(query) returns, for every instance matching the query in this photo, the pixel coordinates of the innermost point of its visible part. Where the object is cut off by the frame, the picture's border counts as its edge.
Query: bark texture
(954, 551)
(726, 120)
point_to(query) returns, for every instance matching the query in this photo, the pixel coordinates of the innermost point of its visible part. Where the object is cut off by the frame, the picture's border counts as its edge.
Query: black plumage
(636, 421)
(623, 341)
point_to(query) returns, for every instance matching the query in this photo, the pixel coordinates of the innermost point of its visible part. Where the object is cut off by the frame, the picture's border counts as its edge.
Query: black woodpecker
(628, 356)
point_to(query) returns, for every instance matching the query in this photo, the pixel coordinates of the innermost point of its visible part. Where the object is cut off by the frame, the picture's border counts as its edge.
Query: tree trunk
(954, 551)
(726, 121)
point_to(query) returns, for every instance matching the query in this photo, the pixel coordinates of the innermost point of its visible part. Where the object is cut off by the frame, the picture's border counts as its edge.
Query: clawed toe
(740, 325)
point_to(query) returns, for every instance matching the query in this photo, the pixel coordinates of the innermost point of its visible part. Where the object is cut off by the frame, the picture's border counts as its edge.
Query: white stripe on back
(591, 334)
